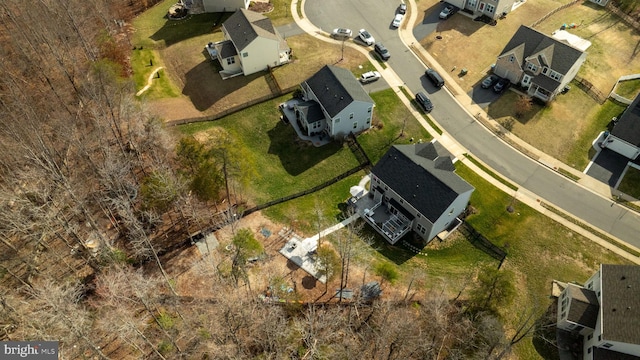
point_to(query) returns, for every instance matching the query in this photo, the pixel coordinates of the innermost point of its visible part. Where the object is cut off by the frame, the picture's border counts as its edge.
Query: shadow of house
(205, 88)
(296, 156)
(174, 31)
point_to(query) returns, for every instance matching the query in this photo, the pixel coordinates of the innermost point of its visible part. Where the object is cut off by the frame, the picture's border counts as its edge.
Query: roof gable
(620, 303)
(244, 26)
(584, 306)
(336, 88)
(527, 42)
(628, 126)
(417, 174)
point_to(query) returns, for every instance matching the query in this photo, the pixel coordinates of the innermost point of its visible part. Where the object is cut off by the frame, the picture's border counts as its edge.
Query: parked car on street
(489, 81)
(447, 11)
(501, 86)
(402, 9)
(382, 51)
(434, 77)
(341, 34)
(424, 102)
(397, 20)
(369, 76)
(366, 37)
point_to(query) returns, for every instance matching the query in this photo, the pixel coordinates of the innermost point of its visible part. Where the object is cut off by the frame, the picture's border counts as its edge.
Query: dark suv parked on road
(424, 102)
(435, 78)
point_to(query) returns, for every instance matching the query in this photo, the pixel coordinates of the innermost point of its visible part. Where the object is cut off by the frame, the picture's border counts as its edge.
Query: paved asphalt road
(376, 16)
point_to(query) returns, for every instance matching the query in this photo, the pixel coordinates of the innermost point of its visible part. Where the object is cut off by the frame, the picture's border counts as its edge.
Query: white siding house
(605, 312)
(335, 103)
(212, 6)
(251, 44)
(414, 188)
(625, 136)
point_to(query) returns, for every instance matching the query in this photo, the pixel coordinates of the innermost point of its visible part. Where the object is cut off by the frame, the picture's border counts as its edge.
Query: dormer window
(555, 75)
(532, 67)
(545, 70)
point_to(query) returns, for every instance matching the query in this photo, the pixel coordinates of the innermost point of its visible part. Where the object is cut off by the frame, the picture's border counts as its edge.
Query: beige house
(541, 64)
(252, 44)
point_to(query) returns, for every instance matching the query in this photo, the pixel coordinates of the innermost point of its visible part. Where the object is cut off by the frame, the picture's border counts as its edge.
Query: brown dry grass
(205, 93)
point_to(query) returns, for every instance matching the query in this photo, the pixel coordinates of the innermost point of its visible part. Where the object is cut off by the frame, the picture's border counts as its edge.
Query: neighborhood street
(598, 210)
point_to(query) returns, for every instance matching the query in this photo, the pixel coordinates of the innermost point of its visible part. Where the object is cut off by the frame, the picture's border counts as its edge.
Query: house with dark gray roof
(334, 103)
(625, 135)
(539, 63)
(414, 188)
(605, 312)
(251, 44)
(493, 9)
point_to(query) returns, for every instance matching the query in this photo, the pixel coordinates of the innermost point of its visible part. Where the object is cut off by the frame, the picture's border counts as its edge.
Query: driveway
(608, 167)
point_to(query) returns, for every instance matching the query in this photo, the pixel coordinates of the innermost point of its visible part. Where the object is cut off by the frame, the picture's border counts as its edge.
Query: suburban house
(539, 63)
(625, 135)
(414, 188)
(251, 44)
(334, 103)
(490, 8)
(218, 6)
(605, 312)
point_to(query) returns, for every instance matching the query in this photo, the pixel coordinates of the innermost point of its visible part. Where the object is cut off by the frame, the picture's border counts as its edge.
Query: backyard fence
(358, 152)
(634, 23)
(590, 89)
(481, 242)
(229, 111)
(554, 11)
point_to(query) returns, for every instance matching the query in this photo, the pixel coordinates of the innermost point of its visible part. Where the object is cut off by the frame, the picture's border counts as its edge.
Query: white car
(397, 20)
(341, 34)
(369, 76)
(366, 37)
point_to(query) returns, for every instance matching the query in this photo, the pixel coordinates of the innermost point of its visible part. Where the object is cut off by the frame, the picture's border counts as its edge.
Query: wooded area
(96, 196)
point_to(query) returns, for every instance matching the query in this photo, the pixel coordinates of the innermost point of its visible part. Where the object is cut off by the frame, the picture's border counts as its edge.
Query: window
(589, 350)
(451, 212)
(555, 76)
(369, 110)
(481, 6)
(472, 3)
(337, 120)
(545, 70)
(590, 337)
(423, 231)
(355, 125)
(512, 58)
(401, 201)
(231, 60)
(532, 66)
(351, 116)
(599, 337)
(607, 345)
(386, 188)
(418, 215)
(245, 54)
(490, 8)
(590, 285)
(419, 227)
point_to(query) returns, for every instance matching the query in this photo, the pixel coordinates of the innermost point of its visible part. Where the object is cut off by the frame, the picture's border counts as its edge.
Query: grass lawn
(630, 184)
(628, 88)
(390, 116)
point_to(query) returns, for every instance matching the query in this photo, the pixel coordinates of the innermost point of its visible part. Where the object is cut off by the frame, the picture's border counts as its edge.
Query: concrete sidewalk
(474, 111)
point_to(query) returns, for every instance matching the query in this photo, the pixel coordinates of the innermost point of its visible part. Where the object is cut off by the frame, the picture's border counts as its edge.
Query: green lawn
(628, 88)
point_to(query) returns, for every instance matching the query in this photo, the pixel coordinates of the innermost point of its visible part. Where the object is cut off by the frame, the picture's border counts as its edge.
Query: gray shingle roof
(559, 55)
(620, 306)
(628, 126)
(606, 354)
(244, 26)
(584, 306)
(417, 174)
(311, 110)
(336, 88)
